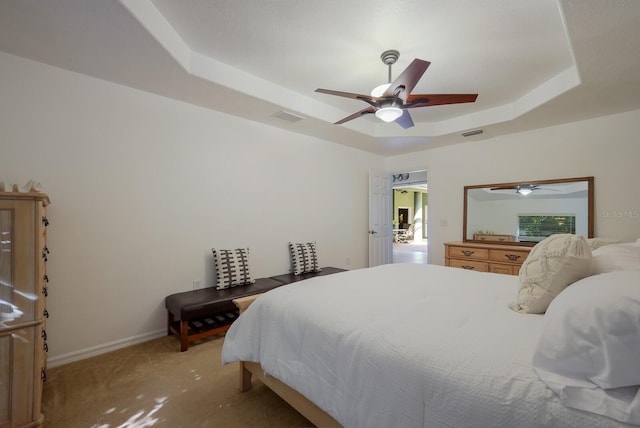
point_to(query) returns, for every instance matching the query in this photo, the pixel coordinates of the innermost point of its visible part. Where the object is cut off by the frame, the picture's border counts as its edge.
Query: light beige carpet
(154, 385)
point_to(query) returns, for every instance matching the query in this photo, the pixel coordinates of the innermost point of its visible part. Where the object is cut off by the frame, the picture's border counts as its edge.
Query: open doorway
(410, 217)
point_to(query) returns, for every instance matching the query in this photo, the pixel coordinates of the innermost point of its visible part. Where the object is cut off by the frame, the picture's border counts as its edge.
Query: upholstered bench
(197, 314)
(289, 278)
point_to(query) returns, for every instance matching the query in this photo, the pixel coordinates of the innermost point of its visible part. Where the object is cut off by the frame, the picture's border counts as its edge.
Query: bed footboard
(296, 400)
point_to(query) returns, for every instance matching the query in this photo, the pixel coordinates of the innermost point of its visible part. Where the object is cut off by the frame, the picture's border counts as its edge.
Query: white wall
(501, 216)
(142, 187)
(606, 148)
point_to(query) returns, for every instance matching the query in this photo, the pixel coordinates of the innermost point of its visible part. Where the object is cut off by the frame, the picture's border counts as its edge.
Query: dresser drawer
(468, 253)
(504, 269)
(508, 256)
(469, 265)
(493, 237)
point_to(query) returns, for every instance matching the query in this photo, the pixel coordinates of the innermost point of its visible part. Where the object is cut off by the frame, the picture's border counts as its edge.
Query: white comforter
(405, 345)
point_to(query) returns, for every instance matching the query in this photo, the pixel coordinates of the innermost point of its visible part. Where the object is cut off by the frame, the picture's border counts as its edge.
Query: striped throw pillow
(232, 267)
(304, 257)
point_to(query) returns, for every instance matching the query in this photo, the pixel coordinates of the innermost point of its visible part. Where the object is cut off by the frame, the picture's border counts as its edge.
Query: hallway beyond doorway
(411, 252)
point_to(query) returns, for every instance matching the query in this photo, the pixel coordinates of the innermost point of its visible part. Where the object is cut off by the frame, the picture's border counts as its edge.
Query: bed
(402, 345)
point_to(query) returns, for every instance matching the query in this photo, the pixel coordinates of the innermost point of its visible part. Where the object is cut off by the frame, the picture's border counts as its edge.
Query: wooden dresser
(493, 237)
(23, 313)
(485, 257)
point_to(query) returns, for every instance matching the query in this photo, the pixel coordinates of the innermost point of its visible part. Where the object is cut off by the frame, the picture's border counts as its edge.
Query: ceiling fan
(524, 190)
(390, 102)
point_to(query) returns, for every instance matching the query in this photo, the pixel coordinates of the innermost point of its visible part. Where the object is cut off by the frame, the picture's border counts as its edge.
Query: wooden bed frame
(302, 404)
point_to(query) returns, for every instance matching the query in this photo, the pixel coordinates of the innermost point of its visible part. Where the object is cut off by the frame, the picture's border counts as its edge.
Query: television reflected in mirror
(526, 212)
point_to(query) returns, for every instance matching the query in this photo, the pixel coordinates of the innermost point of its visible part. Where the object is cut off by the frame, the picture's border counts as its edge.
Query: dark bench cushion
(197, 314)
(195, 304)
(288, 278)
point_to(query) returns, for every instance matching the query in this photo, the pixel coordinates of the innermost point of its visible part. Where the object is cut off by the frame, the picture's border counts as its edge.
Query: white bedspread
(405, 345)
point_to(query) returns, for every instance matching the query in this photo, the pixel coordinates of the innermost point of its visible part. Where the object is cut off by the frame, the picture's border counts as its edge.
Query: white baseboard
(101, 349)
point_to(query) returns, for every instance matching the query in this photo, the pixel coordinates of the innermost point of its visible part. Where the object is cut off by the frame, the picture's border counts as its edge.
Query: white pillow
(589, 350)
(552, 265)
(595, 243)
(613, 257)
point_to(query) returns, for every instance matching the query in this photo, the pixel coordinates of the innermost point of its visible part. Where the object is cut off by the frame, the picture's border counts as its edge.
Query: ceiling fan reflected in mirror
(390, 102)
(524, 190)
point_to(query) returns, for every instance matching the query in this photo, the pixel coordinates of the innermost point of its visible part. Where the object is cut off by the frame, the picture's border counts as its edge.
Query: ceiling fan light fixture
(388, 114)
(524, 190)
(379, 90)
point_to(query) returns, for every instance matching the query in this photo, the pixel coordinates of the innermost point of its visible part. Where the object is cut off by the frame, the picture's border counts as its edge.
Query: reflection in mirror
(525, 213)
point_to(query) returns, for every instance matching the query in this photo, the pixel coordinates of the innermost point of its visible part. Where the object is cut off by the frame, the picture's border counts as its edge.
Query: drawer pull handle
(45, 291)
(45, 221)
(46, 313)
(467, 252)
(44, 334)
(467, 267)
(512, 257)
(43, 375)
(46, 278)
(46, 347)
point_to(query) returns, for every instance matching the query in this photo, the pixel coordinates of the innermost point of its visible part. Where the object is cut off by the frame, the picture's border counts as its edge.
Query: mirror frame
(590, 205)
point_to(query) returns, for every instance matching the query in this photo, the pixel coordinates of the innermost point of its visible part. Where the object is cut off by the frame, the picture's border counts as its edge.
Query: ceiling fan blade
(408, 79)
(356, 115)
(426, 100)
(504, 188)
(345, 94)
(405, 120)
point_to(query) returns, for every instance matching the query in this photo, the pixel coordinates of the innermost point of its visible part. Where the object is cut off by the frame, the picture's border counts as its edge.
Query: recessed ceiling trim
(160, 29)
(218, 73)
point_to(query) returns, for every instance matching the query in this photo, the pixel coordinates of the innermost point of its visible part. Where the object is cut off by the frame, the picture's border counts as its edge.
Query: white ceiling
(533, 63)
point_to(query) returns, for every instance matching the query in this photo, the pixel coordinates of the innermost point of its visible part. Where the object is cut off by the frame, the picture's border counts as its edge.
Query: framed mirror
(524, 213)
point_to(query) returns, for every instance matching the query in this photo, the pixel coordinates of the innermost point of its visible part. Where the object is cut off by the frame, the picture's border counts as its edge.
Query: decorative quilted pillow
(304, 258)
(232, 267)
(552, 265)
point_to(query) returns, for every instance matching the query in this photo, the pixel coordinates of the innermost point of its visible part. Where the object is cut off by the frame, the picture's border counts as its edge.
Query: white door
(380, 219)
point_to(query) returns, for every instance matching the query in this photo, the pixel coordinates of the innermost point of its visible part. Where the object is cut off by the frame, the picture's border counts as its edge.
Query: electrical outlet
(196, 284)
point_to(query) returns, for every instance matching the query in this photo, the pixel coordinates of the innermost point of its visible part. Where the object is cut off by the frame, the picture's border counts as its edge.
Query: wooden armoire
(23, 312)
